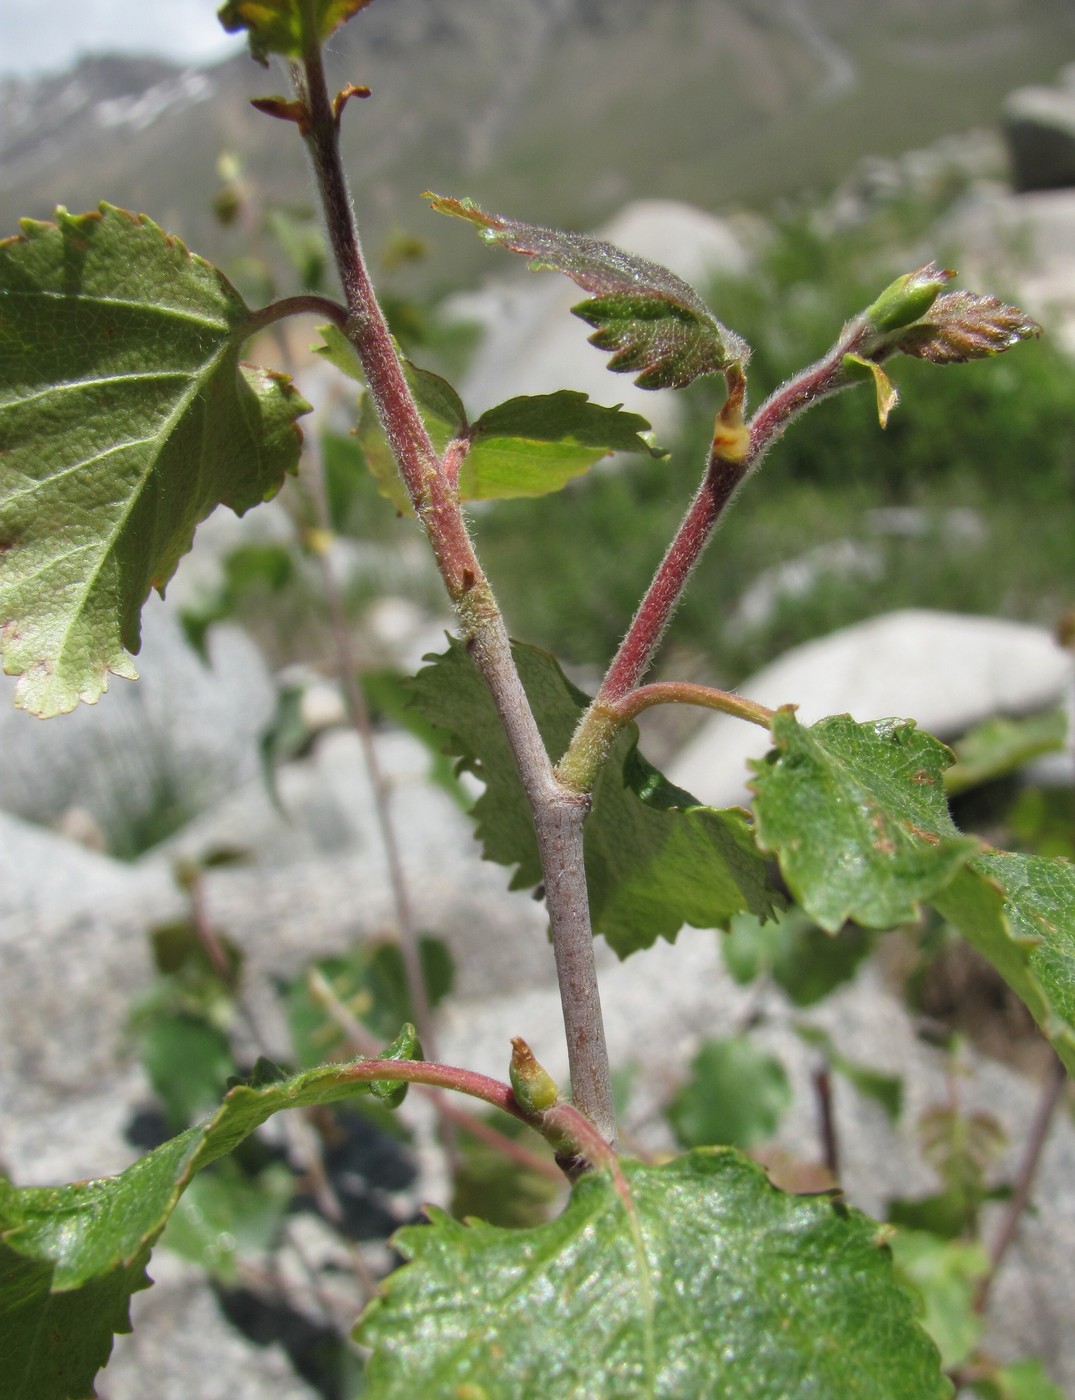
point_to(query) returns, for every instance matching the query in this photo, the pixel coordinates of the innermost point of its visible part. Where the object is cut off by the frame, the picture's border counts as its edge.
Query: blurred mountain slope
(557, 110)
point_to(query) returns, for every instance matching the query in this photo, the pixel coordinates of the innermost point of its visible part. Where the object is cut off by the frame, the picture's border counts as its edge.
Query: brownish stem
(556, 812)
(830, 1148)
(1017, 1204)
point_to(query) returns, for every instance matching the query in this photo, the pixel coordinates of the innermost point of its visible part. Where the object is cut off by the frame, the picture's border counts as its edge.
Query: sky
(44, 36)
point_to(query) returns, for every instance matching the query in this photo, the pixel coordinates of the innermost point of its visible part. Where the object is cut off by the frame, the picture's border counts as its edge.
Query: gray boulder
(944, 670)
(1039, 129)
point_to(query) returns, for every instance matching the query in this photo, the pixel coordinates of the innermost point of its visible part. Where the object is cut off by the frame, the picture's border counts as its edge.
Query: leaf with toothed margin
(528, 446)
(656, 859)
(962, 326)
(126, 417)
(71, 1256)
(696, 1278)
(856, 814)
(651, 320)
(278, 26)
(1019, 910)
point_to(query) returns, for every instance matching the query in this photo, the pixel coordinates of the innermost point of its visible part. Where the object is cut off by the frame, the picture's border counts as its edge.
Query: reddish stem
(655, 611)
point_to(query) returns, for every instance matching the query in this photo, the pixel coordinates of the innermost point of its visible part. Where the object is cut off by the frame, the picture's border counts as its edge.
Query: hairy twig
(557, 813)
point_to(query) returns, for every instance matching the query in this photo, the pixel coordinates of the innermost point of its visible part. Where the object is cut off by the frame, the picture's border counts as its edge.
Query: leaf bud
(533, 1086)
(908, 298)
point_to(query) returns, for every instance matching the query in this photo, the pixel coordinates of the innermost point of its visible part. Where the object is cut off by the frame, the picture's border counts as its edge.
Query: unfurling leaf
(125, 419)
(652, 321)
(699, 1279)
(277, 26)
(964, 326)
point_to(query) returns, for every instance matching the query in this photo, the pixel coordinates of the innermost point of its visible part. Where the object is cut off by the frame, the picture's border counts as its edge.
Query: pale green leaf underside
(70, 1256)
(721, 1287)
(654, 324)
(655, 858)
(528, 446)
(125, 419)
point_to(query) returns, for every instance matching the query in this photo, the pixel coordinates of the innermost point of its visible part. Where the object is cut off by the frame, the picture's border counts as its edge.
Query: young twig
(558, 814)
(1024, 1182)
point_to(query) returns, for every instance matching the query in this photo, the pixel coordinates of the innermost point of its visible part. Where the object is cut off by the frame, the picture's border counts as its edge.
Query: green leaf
(392, 1092)
(736, 1096)
(253, 573)
(125, 419)
(655, 858)
(489, 1184)
(533, 445)
(225, 1214)
(710, 1283)
(70, 1256)
(1001, 746)
(279, 26)
(946, 1273)
(857, 816)
(53, 1344)
(188, 1063)
(1023, 1380)
(802, 959)
(650, 319)
(1019, 910)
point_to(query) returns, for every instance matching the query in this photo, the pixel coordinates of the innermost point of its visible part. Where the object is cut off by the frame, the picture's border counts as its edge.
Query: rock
(533, 345)
(148, 755)
(946, 671)
(1039, 128)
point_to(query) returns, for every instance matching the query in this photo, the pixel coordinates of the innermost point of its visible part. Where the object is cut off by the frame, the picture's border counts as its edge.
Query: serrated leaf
(53, 1344)
(712, 1283)
(533, 445)
(1001, 746)
(946, 1273)
(1019, 910)
(76, 1253)
(279, 26)
(527, 446)
(125, 419)
(856, 815)
(655, 858)
(650, 319)
(736, 1096)
(964, 326)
